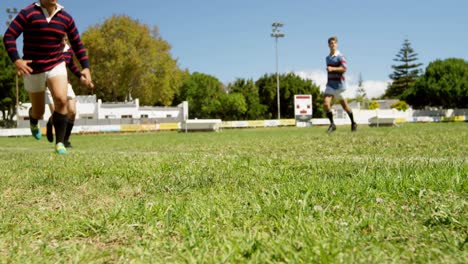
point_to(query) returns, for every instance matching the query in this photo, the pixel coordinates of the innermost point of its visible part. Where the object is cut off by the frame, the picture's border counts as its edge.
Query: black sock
(330, 116)
(60, 125)
(32, 120)
(70, 125)
(350, 113)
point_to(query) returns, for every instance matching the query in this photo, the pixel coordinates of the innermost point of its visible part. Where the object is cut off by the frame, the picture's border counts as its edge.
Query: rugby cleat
(353, 127)
(331, 128)
(60, 148)
(36, 131)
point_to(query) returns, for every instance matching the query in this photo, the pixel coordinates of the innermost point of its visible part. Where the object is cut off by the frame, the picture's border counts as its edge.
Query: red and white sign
(303, 107)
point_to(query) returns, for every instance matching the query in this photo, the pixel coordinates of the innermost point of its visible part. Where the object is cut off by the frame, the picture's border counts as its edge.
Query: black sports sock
(60, 125)
(351, 116)
(330, 116)
(68, 131)
(32, 120)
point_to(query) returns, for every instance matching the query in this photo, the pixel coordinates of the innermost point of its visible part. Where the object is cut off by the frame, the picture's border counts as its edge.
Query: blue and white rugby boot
(60, 148)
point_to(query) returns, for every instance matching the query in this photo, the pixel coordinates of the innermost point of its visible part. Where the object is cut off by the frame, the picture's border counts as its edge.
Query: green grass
(381, 195)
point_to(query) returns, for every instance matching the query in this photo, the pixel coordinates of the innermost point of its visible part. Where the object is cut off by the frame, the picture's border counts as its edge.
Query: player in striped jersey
(43, 25)
(336, 83)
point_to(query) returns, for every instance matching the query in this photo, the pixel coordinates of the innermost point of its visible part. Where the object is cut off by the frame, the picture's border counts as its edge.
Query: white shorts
(35, 83)
(70, 95)
(337, 93)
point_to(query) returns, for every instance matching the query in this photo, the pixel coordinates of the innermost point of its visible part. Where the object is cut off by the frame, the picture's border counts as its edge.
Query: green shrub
(400, 105)
(374, 105)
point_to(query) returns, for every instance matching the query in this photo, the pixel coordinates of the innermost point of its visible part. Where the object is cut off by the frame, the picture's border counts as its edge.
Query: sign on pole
(302, 108)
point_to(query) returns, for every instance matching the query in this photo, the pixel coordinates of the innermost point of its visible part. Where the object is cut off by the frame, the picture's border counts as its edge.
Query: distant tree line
(245, 99)
(444, 83)
(131, 60)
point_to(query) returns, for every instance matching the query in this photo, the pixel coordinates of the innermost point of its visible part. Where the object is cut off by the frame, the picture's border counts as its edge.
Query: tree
(361, 93)
(290, 85)
(249, 91)
(267, 94)
(8, 87)
(203, 94)
(444, 84)
(233, 106)
(128, 59)
(405, 73)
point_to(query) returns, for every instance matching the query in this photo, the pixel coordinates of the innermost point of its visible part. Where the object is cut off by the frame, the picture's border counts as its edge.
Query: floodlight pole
(11, 13)
(277, 34)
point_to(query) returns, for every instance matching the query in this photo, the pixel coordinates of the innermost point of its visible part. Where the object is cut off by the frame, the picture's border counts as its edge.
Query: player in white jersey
(71, 102)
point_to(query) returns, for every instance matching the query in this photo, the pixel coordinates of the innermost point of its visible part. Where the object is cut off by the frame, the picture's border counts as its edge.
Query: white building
(90, 111)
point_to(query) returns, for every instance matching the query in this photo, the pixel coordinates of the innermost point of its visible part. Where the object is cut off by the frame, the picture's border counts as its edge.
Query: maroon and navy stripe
(42, 39)
(68, 56)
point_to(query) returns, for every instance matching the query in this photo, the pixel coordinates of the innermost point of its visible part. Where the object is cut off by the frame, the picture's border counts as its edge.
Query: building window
(144, 116)
(126, 116)
(87, 117)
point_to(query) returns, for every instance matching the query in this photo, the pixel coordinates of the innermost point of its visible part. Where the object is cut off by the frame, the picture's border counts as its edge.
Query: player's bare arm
(339, 69)
(87, 78)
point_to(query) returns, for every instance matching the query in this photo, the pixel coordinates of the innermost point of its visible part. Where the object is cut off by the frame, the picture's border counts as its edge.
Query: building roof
(86, 99)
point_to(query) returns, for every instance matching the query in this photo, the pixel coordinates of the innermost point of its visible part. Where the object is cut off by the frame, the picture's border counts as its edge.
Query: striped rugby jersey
(336, 80)
(68, 57)
(42, 38)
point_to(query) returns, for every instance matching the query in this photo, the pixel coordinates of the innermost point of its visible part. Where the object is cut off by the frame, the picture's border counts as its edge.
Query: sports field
(381, 195)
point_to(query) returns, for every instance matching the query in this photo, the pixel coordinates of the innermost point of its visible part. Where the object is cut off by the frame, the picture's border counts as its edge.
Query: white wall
(160, 112)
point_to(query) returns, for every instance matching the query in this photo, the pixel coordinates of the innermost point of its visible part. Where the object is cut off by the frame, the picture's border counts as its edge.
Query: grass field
(381, 195)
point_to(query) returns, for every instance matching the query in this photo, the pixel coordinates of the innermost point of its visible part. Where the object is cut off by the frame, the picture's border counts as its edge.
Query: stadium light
(276, 33)
(11, 14)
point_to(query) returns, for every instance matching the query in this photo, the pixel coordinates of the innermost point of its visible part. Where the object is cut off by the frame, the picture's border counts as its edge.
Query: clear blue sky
(231, 39)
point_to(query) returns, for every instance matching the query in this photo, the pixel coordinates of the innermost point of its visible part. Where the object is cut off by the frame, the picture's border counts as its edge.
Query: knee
(71, 115)
(60, 103)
